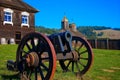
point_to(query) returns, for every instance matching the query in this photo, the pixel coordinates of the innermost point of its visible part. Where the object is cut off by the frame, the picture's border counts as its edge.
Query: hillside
(91, 32)
(108, 33)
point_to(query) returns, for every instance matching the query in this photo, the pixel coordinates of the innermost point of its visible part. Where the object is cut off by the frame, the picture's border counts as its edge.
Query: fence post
(107, 43)
(96, 43)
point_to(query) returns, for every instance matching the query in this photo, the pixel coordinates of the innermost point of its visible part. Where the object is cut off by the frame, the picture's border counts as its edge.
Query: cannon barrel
(65, 36)
(59, 41)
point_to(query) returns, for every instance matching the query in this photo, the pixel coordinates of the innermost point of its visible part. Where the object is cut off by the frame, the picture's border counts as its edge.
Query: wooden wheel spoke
(72, 66)
(77, 66)
(68, 64)
(83, 58)
(38, 45)
(41, 47)
(45, 67)
(80, 47)
(28, 46)
(33, 43)
(75, 43)
(83, 52)
(41, 73)
(23, 57)
(36, 74)
(24, 52)
(46, 58)
(81, 64)
(30, 73)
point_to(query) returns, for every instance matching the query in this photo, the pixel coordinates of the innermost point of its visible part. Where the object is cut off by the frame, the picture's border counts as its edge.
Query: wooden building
(70, 27)
(17, 18)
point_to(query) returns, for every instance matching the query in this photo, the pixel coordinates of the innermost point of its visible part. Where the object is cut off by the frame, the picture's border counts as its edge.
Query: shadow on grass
(10, 77)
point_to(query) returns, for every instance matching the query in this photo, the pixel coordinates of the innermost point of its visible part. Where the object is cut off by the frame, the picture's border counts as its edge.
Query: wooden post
(107, 41)
(96, 43)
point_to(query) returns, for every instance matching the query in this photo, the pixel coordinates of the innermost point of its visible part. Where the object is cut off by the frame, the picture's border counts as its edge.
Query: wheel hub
(75, 56)
(32, 59)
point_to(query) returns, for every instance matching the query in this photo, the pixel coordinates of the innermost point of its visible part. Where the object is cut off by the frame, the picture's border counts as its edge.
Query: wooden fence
(105, 43)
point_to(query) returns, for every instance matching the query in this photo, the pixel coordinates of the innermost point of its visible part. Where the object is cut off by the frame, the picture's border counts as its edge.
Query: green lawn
(106, 65)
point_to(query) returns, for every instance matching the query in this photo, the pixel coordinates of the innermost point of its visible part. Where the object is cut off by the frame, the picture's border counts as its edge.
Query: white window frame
(25, 14)
(9, 11)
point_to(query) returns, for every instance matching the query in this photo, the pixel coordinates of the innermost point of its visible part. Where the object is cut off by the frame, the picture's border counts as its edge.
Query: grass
(106, 65)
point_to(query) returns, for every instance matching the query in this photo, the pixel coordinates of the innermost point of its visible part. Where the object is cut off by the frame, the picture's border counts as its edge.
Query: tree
(87, 31)
(42, 29)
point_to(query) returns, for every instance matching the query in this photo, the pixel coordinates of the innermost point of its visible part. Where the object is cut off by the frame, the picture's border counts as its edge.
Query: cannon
(37, 55)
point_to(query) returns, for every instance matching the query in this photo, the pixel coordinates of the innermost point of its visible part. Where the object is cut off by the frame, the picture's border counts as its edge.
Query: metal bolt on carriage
(37, 54)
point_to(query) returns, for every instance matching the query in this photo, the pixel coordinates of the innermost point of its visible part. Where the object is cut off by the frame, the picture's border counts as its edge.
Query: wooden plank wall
(105, 43)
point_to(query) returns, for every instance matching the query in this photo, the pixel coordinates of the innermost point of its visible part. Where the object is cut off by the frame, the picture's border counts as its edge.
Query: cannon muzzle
(66, 36)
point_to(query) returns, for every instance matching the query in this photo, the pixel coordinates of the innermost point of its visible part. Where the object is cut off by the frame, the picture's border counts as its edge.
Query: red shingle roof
(17, 4)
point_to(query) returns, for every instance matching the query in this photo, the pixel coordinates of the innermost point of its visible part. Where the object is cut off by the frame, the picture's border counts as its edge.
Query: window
(25, 19)
(8, 16)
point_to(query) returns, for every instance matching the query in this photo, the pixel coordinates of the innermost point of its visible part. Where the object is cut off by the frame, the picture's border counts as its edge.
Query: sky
(81, 12)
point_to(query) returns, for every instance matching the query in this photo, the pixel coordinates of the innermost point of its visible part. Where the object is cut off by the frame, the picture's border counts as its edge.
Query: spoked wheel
(36, 58)
(82, 57)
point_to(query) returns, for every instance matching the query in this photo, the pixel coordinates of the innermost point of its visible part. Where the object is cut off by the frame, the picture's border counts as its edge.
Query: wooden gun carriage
(37, 55)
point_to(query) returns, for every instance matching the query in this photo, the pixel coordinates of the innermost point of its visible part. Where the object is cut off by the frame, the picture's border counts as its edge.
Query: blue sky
(81, 12)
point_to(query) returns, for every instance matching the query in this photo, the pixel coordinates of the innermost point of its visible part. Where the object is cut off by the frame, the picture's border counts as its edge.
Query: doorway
(17, 37)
